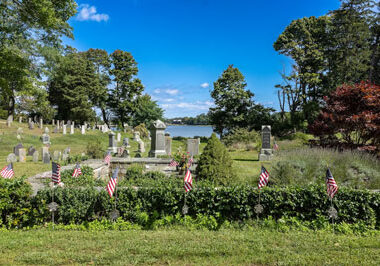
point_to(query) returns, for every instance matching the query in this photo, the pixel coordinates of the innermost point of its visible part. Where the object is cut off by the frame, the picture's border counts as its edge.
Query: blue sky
(183, 46)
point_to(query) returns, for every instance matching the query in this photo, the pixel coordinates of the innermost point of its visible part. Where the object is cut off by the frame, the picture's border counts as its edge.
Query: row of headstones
(20, 154)
(192, 146)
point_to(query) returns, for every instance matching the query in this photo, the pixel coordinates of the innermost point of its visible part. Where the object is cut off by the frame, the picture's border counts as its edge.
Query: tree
(100, 95)
(147, 111)
(353, 111)
(123, 96)
(70, 86)
(215, 162)
(232, 101)
(28, 31)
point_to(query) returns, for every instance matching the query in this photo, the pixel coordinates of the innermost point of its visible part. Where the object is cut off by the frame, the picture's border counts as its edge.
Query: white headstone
(83, 129)
(118, 139)
(72, 129)
(64, 130)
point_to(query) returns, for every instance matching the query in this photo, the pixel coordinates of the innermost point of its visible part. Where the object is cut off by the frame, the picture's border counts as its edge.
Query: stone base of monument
(266, 155)
(155, 153)
(112, 149)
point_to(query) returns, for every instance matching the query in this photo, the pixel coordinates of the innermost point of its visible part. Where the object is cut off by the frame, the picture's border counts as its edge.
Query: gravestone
(83, 130)
(36, 156)
(72, 129)
(31, 150)
(126, 142)
(46, 130)
(68, 123)
(22, 155)
(20, 131)
(136, 136)
(45, 139)
(193, 147)
(67, 150)
(58, 124)
(17, 148)
(168, 144)
(112, 147)
(45, 155)
(56, 156)
(20, 119)
(141, 146)
(266, 153)
(64, 130)
(18, 137)
(118, 137)
(31, 125)
(157, 147)
(29, 120)
(120, 151)
(126, 154)
(55, 130)
(138, 155)
(41, 123)
(53, 122)
(11, 158)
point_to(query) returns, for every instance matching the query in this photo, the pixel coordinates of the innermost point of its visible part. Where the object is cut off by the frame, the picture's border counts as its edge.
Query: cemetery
(161, 133)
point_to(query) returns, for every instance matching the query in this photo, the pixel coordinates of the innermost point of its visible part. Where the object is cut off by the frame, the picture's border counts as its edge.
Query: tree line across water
(335, 62)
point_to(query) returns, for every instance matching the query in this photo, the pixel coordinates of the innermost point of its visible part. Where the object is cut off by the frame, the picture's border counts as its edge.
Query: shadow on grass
(246, 160)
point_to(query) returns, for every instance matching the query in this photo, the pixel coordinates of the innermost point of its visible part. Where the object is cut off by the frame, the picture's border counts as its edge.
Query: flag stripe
(264, 178)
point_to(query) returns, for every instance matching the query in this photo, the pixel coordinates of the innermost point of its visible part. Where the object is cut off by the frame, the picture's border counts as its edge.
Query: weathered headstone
(72, 129)
(67, 150)
(31, 150)
(118, 137)
(266, 152)
(11, 158)
(36, 156)
(138, 155)
(53, 122)
(29, 119)
(136, 135)
(46, 130)
(55, 130)
(45, 138)
(193, 147)
(58, 124)
(141, 146)
(45, 155)
(56, 156)
(83, 130)
(168, 144)
(157, 147)
(17, 148)
(126, 142)
(41, 123)
(112, 147)
(22, 155)
(20, 119)
(20, 131)
(125, 154)
(64, 130)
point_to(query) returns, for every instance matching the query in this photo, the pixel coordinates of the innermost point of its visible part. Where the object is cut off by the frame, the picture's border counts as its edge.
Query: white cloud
(202, 106)
(171, 92)
(157, 91)
(87, 12)
(168, 100)
(205, 85)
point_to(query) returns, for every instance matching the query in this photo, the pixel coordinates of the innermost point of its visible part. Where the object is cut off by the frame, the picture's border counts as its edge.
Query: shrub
(94, 149)
(86, 179)
(142, 130)
(241, 135)
(214, 163)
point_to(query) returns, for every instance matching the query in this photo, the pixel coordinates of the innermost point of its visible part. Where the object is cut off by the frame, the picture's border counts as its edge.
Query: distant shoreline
(189, 125)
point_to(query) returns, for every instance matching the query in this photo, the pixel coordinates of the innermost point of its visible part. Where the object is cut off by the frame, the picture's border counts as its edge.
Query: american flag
(264, 177)
(173, 163)
(188, 181)
(77, 171)
(112, 183)
(107, 159)
(7, 171)
(332, 187)
(56, 173)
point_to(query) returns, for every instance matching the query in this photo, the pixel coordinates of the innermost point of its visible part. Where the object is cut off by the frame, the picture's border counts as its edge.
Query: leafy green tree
(70, 86)
(147, 111)
(28, 31)
(215, 162)
(232, 101)
(123, 96)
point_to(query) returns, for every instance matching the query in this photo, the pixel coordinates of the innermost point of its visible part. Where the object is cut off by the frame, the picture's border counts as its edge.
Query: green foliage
(85, 180)
(241, 136)
(95, 149)
(148, 111)
(142, 130)
(214, 163)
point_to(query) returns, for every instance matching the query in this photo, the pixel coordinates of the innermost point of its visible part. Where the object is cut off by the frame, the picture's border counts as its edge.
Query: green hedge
(228, 203)
(145, 205)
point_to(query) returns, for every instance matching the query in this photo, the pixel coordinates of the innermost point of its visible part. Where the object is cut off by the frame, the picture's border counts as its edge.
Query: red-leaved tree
(354, 112)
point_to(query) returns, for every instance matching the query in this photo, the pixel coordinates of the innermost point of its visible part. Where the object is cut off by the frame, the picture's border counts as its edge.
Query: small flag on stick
(191, 160)
(173, 163)
(332, 187)
(112, 183)
(264, 177)
(7, 171)
(275, 146)
(107, 159)
(188, 181)
(56, 173)
(77, 171)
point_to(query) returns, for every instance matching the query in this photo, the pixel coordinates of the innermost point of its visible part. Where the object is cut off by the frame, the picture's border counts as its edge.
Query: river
(189, 131)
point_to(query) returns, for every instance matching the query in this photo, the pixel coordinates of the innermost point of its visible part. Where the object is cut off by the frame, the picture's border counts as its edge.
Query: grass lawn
(225, 247)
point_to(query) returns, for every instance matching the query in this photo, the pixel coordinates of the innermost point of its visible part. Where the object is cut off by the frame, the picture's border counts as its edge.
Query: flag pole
(52, 200)
(117, 181)
(331, 203)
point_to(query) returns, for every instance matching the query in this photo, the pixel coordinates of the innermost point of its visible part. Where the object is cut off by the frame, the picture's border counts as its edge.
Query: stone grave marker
(55, 130)
(20, 119)
(126, 142)
(22, 155)
(83, 130)
(157, 147)
(46, 130)
(11, 158)
(58, 124)
(136, 135)
(141, 146)
(72, 129)
(31, 150)
(112, 147)
(266, 152)
(64, 130)
(20, 131)
(41, 123)
(36, 156)
(56, 156)
(168, 144)
(17, 148)
(31, 125)
(126, 154)
(53, 122)
(118, 137)
(45, 155)
(193, 147)
(29, 119)
(45, 138)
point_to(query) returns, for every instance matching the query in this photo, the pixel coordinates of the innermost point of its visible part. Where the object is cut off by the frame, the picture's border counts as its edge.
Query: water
(189, 131)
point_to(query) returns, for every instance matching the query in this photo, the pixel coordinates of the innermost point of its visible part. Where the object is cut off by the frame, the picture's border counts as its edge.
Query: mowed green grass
(182, 247)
